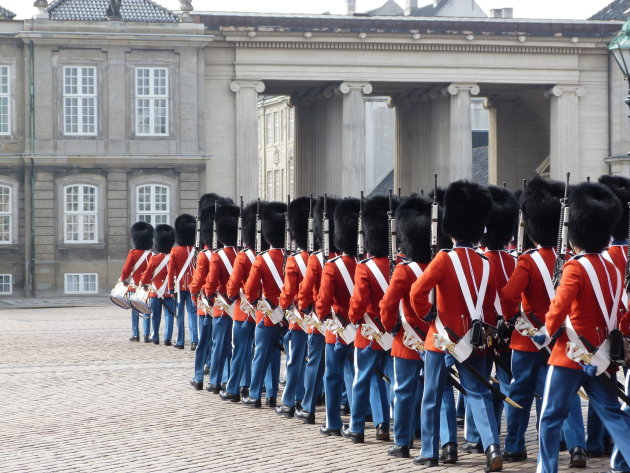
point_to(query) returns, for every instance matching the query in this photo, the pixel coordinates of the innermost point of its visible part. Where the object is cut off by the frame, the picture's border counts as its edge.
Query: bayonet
(563, 234)
(215, 242)
(434, 219)
(258, 228)
(391, 224)
(310, 243)
(239, 236)
(325, 229)
(520, 235)
(360, 247)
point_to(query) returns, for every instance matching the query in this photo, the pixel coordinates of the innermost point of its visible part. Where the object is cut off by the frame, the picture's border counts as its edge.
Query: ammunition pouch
(477, 336)
(619, 348)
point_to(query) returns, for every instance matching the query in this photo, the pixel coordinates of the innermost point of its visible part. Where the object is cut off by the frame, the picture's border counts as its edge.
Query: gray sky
(568, 9)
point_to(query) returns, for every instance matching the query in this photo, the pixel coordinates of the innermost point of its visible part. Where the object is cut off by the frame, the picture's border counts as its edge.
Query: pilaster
(460, 147)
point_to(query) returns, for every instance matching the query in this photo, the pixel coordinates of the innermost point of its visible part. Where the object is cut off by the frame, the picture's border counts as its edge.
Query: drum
(140, 300)
(119, 296)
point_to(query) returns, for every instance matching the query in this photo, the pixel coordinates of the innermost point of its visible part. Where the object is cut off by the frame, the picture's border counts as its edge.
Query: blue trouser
(221, 347)
(184, 302)
(157, 304)
(478, 397)
(266, 338)
(169, 319)
(339, 364)
(406, 387)
(205, 346)
(241, 363)
(617, 460)
(595, 432)
(314, 371)
(562, 384)
(448, 419)
(527, 367)
(368, 387)
(296, 360)
(460, 409)
(135, 318)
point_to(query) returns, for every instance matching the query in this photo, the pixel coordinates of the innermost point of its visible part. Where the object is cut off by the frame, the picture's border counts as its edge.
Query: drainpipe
(31, 272)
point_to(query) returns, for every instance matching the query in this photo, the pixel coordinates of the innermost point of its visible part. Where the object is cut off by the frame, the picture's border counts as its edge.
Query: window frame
(138, 180)
(82, 187)
(12, 213)
(153, 213)
(11, 278)
(82, 98)
(7, 96)
(82, 284)
(152, 98)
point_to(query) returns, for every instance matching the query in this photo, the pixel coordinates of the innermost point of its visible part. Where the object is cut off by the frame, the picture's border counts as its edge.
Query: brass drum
(119, 296)
(140, 301)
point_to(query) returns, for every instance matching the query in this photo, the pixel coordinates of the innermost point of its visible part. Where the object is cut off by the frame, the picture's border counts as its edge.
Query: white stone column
(352, 166)
(564, 148)
(460, 147)
(410, 124)
(247, 136)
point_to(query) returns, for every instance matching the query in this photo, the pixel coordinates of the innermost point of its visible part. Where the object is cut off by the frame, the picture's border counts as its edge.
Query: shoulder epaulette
(366, 260)
(446, 250)
(334, 259)
(530, 251)
(262, 252)
(577, 256)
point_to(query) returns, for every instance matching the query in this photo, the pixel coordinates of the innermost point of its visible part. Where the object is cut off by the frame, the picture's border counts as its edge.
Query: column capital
(457, 87)
(560, 89)
(346, 87)
(238, 85)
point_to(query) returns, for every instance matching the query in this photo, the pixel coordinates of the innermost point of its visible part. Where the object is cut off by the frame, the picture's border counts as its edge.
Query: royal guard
(465, 296)
(221, 267)
(333, 302)
(499, 233)
(267, 274)
(307, 295)
(295, 270)
(617, 252)
(531, 287)
(135, 264)
(244, 321)
(180, 273)
(155, 277)
(590, 293)
(371, 279)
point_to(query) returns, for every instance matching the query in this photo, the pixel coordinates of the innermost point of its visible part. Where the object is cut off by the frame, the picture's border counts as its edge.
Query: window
(282, 193)
(260, 132)
(152, 204)
(6, 215)
(269, 123)
(6, 284)
(291, 175)
(151, 101)
(283, 125)
(79, 100)
(80, 214)
(276, 127)
(291, 123)
(5, 106)
(276, 185)
(269, 185)
(81, 283)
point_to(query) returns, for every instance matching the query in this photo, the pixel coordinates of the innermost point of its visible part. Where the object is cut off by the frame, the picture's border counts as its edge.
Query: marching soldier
(266, 274)
(617, 252)
(244, 322)
(531, 285)
(590, 293)
(156, 275)
(465, 290)
(370, 282)
(336, 288)
(135, 264)
(295, 271)
(221, 266)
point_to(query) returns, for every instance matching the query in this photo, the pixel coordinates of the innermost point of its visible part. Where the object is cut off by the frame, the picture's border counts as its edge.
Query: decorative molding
(257, 85)
(346, 87)
(559, 90)
(456, 88)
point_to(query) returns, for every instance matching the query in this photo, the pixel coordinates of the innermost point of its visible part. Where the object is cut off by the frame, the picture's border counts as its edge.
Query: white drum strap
(162, 288)
(475, 310)
(300, 263)
(610, 317)
(273, 270)
(226, 260)
(345, 274)
(250, 255)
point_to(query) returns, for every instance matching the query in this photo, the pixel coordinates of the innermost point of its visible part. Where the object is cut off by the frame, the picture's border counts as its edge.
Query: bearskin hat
(346, 222)
(467, 206)
(206, 215)
(595, 211)
(248, 217)
(375, 230)
(298, 220)
(318, 213)
(226, 219)
(620, 186)
(164, 238)
(413, 224)
(540, 203)
(503, 219)
(142, 235)
(272, 216)
(185, 227)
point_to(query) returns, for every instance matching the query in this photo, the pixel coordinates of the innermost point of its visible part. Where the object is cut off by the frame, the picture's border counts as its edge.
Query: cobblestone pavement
(77, 396)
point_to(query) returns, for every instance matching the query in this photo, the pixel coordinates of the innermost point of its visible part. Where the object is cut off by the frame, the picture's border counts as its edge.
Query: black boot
(349, 434)
(270, 402)
(134, 339)
(420, 460)
(329, 432)
(285, 411)
(449, 453)
(382, 432)
(514, 457)
(147, 339)
(307, 417)
(226, 396)
(471, 447)
(578, 458)
(398, 451)
(494, 459)
(251, 402)
(197, 386)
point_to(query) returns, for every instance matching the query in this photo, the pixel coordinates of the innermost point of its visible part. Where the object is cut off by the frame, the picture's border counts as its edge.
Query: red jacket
(619, 255)
(575, 296)
(334, 294)
(309, 287)
(132, 257)
(179, 256)
(366, 297)
(292, 278)
(451, 305)
(218, 276)
(156, 279)
(526, 286)
(260, 277)
(399, 287)
(242, 265)
(199, 275)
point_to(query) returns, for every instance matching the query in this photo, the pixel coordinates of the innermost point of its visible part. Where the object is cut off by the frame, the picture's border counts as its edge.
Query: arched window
(80, 213)
(153, 203)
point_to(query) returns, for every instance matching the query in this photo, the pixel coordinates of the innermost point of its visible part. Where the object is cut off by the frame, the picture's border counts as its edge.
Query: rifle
(215, 241)
(258, 228)
(197, 232)
(325, 230)
(563, 235)
(239, 235)
(434, 219)
(287, 234)
(310, 242)
(360, 236)
(520, 235)
(391, 226)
